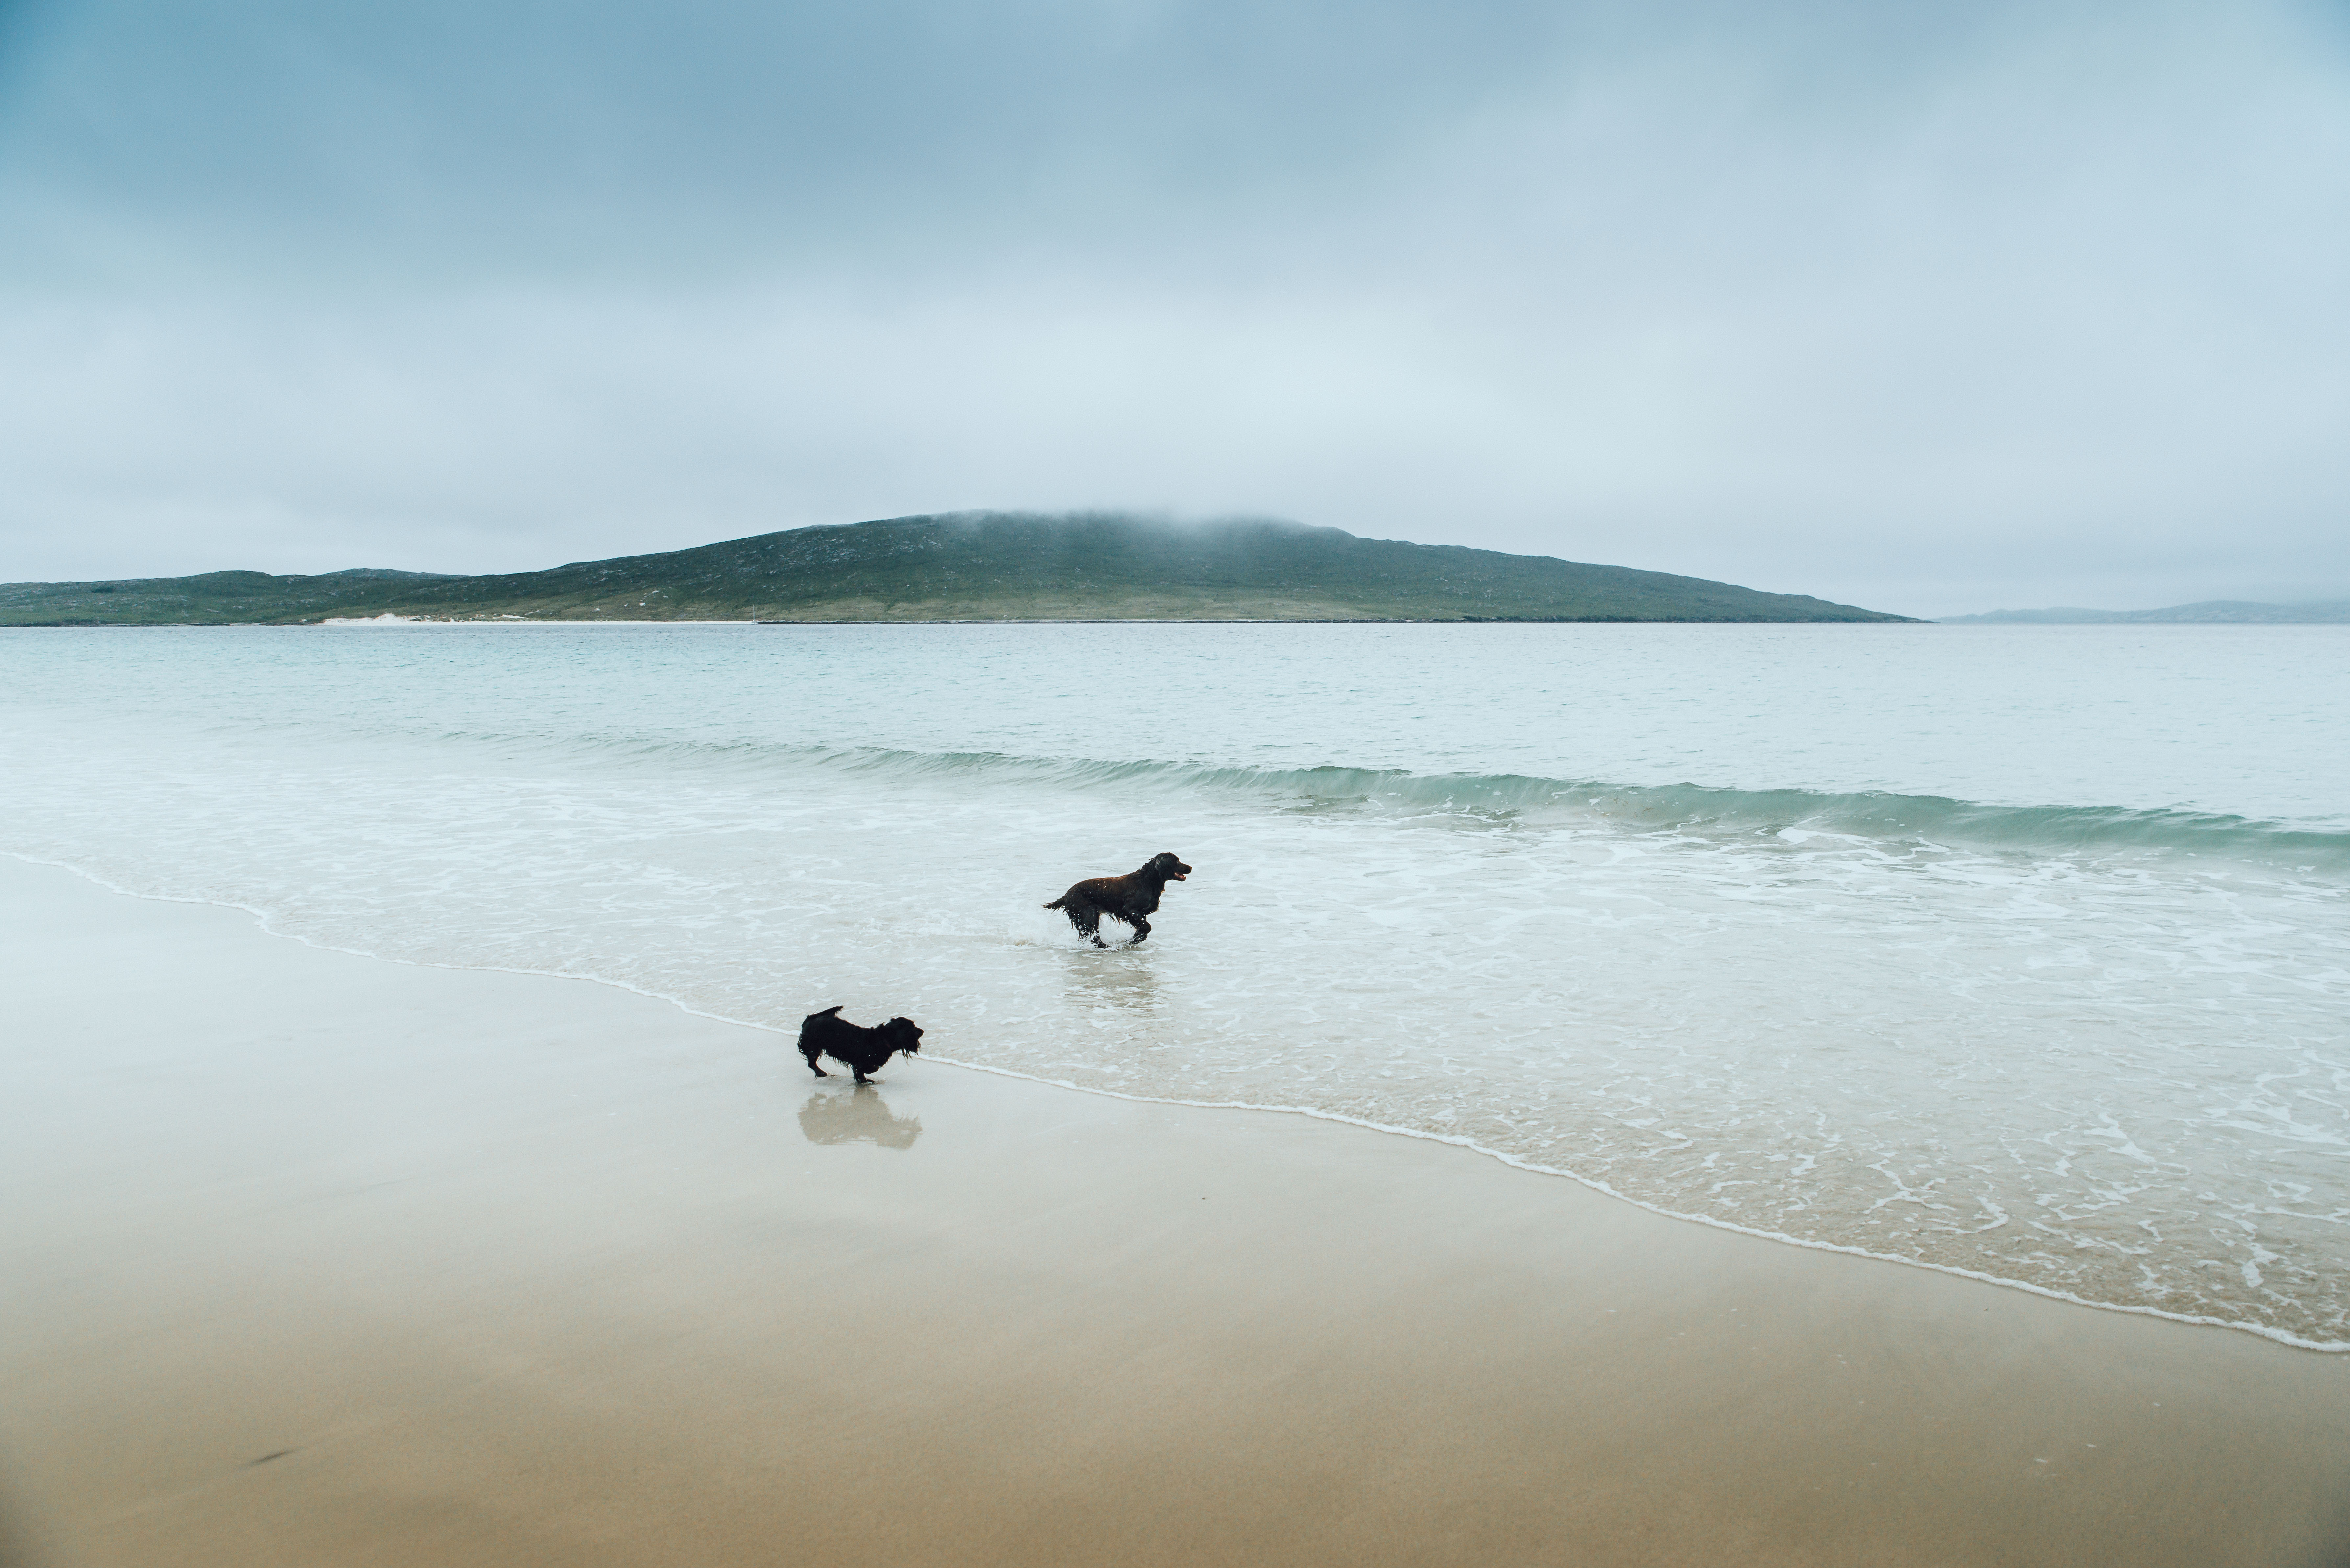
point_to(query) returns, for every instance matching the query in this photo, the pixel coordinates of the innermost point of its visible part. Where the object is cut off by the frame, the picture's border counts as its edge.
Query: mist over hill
(963, 567)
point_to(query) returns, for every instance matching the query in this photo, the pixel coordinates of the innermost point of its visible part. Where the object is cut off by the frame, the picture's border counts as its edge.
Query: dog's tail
(1060, 903)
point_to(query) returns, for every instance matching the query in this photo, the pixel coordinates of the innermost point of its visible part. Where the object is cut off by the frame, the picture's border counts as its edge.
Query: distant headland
(965, 566)
(2210, 612)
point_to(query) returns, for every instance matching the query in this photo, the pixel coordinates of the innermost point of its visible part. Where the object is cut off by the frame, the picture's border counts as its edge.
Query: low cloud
(2039, 307)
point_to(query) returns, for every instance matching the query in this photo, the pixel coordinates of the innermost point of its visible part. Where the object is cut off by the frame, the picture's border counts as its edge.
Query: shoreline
(322, 1257)
(1469, 1146)
(378, 622)
(262, 924)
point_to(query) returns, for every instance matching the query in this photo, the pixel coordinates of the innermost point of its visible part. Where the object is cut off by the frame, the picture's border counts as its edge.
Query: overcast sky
(1929, 308)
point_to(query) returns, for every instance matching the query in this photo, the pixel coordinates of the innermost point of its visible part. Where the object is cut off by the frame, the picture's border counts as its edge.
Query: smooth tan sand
(312, 1259)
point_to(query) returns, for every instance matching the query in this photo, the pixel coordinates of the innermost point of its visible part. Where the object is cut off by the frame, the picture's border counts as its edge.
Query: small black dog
(861, 1050)
(1132, 899)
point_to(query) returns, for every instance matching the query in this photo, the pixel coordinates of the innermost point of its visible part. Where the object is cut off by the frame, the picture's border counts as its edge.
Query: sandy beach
(310, 1258)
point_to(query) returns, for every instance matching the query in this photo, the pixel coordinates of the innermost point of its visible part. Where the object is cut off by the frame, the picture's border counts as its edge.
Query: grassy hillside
(972, 567)
(214, 598)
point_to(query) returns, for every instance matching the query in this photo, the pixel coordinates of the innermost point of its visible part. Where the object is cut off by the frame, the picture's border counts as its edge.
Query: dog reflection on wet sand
(860, 1115)
(1129, 987)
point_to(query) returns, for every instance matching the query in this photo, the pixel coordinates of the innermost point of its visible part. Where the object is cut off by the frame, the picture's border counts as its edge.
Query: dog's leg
(1141, 930)
(811, 1057)
(1089, 923)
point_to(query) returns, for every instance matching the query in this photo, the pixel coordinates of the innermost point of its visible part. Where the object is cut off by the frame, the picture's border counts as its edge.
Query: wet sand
(315, 1259)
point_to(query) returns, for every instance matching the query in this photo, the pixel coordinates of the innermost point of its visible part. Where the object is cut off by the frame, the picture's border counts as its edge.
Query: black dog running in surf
(1132, 897)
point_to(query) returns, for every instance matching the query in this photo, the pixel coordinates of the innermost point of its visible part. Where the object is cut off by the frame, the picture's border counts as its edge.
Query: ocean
(2017, 951)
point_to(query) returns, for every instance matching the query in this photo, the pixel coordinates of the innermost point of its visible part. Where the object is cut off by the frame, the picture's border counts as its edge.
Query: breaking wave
(1518, 798)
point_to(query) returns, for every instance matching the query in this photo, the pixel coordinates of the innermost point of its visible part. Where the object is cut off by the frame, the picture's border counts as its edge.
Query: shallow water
(2018, 950)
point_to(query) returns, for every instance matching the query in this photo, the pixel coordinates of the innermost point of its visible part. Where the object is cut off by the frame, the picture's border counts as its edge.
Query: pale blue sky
(1934, 308)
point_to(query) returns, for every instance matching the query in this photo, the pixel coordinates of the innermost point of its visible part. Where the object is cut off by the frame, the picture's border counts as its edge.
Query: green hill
(214, 598)
(969, 567)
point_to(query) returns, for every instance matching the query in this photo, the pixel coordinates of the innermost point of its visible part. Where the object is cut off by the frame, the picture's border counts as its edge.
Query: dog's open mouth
(1179, 876)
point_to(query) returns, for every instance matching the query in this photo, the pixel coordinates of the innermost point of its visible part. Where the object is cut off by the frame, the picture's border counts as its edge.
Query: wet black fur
(1132, 897)
(860, 1050)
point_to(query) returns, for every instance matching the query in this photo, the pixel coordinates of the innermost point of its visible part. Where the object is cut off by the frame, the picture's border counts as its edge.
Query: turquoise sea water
(2022, 952)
